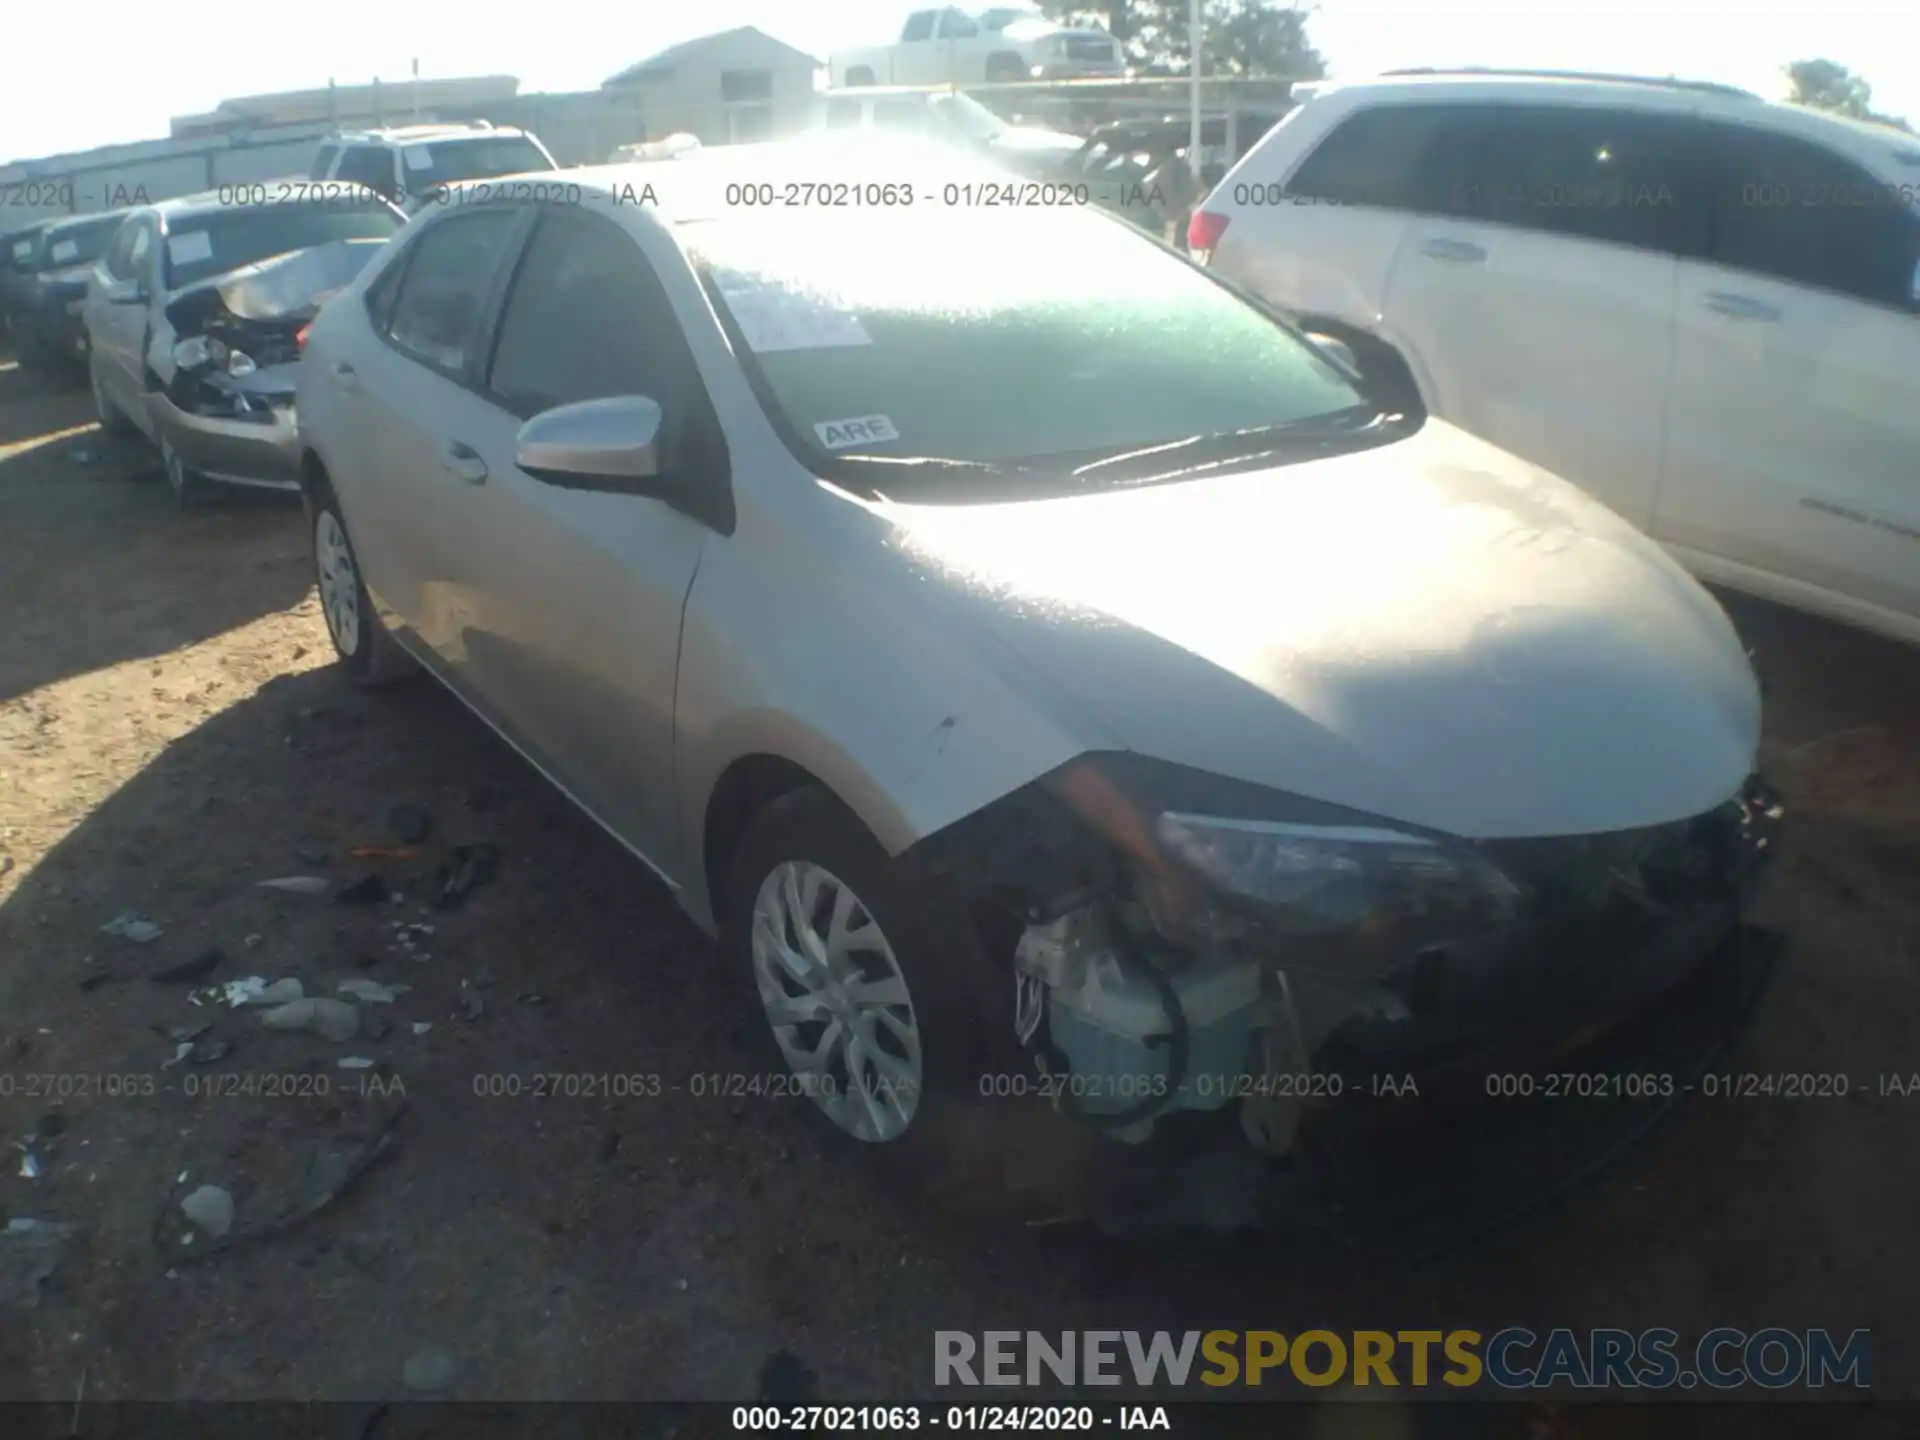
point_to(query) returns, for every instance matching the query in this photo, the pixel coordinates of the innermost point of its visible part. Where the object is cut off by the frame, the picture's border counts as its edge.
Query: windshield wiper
(1361, 423)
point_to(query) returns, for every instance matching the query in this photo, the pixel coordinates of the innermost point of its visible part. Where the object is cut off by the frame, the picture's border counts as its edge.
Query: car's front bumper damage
(1242, 1087)
(240, 430)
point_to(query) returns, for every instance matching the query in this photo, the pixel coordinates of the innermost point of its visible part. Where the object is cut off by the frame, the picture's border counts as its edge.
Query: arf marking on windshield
(866, 430)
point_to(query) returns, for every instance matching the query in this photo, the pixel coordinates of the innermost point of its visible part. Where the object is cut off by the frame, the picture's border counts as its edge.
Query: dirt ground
(172, 733)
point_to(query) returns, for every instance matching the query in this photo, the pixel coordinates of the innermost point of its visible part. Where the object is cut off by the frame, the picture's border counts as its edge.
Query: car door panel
(575, 597)
(408, 394)
(1797, 452)
(1535, 332)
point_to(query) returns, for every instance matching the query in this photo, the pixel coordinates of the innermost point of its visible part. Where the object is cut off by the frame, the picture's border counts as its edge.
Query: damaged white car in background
(1060, 681)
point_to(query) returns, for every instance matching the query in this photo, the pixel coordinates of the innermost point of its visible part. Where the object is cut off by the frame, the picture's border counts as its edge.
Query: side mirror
(1337, 351)
(126, 292)
(611, 445)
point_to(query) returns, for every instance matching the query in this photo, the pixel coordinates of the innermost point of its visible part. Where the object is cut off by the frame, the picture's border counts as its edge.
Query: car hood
(1431, 631)
(284, 288)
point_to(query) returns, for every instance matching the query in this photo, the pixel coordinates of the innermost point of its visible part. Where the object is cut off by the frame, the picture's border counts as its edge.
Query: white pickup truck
(960, 47)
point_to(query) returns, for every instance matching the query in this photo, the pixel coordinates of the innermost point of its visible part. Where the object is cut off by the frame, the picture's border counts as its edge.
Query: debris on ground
(30, 1251)
(29, 1163)
(329, 1178)
(85, 455)
(280, 992)
(211, 1208)
(421, 1027)
(51, 1124)
(472, 1001)
(385, 852)
(429, 1370)
(367, 890)
(198, 968)
(334, 1020)
(234, 993)
(409, 824)
(354, 1062)
(372, 992)
(180, 1053)
(468, 868)
(189, 1032)
(375, 1025)
(97, 979)
(297, 884)
(136, 928)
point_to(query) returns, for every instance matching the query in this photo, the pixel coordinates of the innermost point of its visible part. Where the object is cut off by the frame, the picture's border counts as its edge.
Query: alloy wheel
(837, 1001)
(339, 583)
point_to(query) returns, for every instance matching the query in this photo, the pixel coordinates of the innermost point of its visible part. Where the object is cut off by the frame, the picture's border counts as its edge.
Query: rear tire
(189, 487)
(1006, 69)
(859, 75)
(892, 988)
(368, 654)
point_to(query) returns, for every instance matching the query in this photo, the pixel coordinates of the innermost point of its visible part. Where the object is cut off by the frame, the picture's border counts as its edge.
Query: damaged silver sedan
(195, 317)
(1055, 680)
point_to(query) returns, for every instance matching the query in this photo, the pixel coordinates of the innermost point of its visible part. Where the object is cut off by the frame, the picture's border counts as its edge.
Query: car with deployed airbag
(1064, 678)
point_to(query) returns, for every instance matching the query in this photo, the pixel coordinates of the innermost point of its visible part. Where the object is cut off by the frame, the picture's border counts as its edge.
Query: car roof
(76, 222)
(1707, 99)
(208, 202)
(692, 186)
(420, 134)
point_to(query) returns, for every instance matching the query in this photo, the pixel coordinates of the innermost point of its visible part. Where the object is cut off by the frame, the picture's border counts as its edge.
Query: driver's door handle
(463, 462)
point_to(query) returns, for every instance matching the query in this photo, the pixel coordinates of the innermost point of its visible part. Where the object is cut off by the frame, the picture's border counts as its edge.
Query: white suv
(412, 164)
(1702, 306)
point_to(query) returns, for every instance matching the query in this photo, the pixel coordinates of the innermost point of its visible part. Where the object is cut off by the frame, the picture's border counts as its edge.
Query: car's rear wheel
(876, 1006)
(1006, 69)
(189, 487)
(367, 652)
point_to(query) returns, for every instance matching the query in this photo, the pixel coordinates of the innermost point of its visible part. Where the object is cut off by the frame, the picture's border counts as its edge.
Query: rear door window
(1795, 211)
(1415, 158)
(1626, 177)
(436, 315)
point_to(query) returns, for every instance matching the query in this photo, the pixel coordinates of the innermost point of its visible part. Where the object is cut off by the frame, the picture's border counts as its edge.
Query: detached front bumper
(262, 451)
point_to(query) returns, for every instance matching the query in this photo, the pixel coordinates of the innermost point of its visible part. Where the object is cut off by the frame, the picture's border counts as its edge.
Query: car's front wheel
(877, 1005)
(188, 486)
(367, 652)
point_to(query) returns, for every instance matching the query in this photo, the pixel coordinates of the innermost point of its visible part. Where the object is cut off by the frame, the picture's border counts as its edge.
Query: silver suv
(411, 164)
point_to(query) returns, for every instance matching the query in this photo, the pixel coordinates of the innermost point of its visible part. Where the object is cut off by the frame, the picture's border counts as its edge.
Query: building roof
(664, 62)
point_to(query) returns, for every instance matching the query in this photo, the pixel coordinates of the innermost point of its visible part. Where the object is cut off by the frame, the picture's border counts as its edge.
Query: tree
(1241, 37)
(1828, 85)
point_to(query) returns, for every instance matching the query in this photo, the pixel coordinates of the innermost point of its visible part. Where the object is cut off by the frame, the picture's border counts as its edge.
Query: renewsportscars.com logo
(1514, 1358)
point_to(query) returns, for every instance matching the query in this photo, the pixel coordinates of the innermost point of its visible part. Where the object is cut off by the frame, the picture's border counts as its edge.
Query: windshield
(1048, 339)
(78, 244)
(446, 161)
(202, 246)
(966, 115)
(1000, 18)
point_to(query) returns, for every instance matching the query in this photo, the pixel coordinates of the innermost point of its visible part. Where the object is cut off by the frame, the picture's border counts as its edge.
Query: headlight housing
(196, 352)
(1315, 879)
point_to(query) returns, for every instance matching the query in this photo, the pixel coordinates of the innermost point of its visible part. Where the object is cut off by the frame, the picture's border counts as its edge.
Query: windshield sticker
(64, 250)
(773, 319)
(865, 430)
(22, 249)
(189, 247)
(418, 157)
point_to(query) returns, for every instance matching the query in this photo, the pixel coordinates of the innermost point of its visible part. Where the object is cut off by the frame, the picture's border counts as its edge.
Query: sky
(158, 64)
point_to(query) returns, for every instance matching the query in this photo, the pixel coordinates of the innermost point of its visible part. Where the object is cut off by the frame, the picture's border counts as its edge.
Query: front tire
(873, 993)
(189, 487)
(368, 654)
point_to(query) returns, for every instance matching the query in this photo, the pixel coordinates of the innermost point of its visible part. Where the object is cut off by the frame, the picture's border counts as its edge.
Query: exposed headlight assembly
(196, 352)
(1312, 879)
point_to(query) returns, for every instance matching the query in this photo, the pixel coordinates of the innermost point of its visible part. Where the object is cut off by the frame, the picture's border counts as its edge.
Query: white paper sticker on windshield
(417, 157)
(189, 247)
(864, 430)
(22, 249)
(772, 319)
(63, 251)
